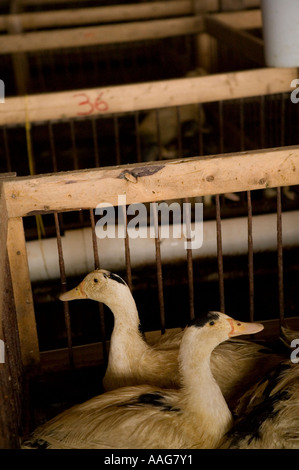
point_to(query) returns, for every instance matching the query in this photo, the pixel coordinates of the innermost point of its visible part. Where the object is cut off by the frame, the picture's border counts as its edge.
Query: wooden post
(10, 369)
(17, 253)
(19, 59)
(246, 44)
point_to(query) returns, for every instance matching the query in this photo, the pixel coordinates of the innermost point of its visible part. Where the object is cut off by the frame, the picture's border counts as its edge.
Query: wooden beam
(230, 5)
(145, 96)
(98, 35)
(212, 5)
(92, 354)
(87, 354)
(17, 253)
(96, 15)
(154, 181)
(244, 43)
(248, 19)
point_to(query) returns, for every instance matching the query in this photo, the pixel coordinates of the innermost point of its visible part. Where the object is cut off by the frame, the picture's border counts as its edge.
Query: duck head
(98, 285)
(217, 327)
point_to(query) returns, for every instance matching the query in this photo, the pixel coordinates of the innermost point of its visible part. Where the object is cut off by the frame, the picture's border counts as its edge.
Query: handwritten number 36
(91, 106)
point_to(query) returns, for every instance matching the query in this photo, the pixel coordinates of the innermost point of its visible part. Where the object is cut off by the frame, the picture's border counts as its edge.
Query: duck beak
(76, 293)
(239, 328)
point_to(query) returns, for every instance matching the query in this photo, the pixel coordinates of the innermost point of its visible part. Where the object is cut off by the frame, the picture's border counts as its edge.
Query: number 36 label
(89, 105)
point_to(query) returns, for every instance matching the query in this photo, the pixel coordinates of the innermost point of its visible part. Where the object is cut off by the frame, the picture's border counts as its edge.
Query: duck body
(268, 414)
(147, 417)
(140, 417)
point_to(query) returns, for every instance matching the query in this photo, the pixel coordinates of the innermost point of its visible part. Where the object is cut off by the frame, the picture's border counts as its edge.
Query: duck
(236, 364)
(131, 361)
(163, 145)
(147, 417)
(267, 416)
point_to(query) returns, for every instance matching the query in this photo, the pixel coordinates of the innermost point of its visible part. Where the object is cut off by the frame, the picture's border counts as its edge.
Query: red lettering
(99, 104)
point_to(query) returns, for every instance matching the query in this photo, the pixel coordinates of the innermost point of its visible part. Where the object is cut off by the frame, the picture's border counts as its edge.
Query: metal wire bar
(63, 287)
(6, 148)
(218, 220)
(242, 125)
(188, 225)
(74, 147)
(94, 240)
(159, 267)
(249, 221)
(282, 120)
(54, 161)
(75, 157)
(250, 258)
(127, 249)
(280, 258)
(52, 145)
(101, 306)
(40, 73)
(95, 142)
(189, 260)
(179, 132)
(220, 255)
(221, 130)
(138, 142)
(279, 227)
(158, 134)
(262, 122)
(200, 133)
(116, 134)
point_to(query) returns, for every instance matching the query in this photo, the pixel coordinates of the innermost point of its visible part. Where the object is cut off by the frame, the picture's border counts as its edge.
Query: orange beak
(239, 328)
(74, 294)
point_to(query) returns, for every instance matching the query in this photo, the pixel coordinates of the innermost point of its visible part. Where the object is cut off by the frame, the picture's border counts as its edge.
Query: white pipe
(78, 250)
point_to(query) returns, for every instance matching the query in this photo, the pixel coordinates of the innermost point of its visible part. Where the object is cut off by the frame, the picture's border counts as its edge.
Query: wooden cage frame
(145, 21)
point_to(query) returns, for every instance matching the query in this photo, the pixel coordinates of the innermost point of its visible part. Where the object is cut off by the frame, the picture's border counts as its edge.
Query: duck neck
(126, 320)
(202, 397)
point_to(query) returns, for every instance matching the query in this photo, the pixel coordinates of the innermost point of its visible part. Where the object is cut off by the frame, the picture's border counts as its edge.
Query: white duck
(131, 360)
(146, 417)
(235, 364)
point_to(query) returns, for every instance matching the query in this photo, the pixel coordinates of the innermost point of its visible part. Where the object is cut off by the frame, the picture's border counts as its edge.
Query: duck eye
(212, 323)
(96, 280)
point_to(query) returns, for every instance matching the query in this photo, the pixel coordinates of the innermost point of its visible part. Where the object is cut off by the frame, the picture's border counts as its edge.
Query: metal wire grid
(99, 66)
